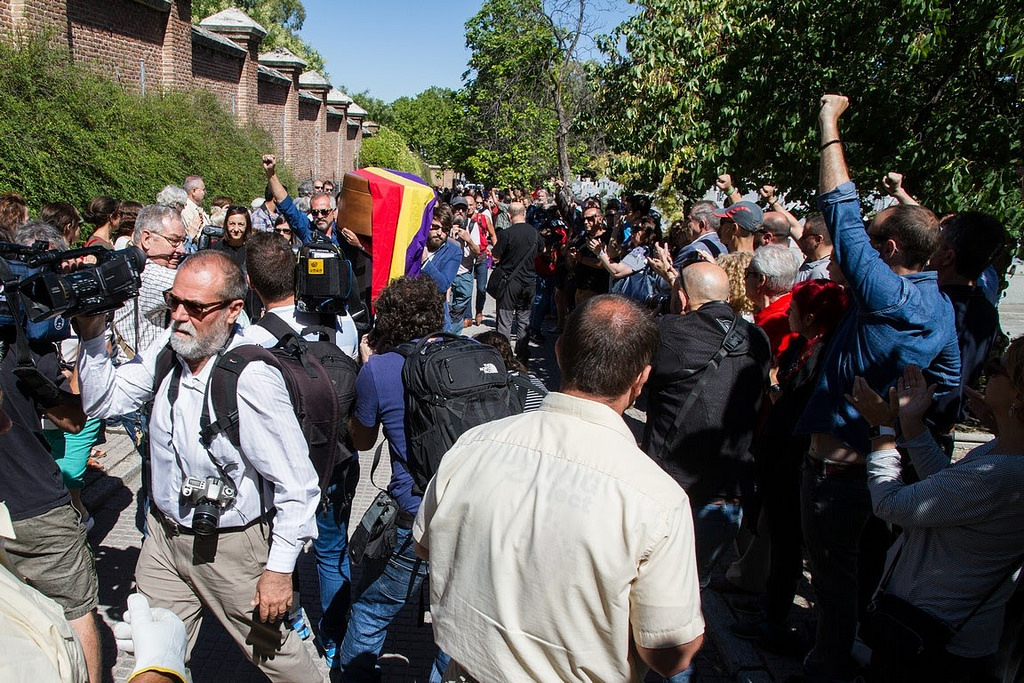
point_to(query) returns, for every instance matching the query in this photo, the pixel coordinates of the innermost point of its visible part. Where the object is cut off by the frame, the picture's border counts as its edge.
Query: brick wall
(151, 45)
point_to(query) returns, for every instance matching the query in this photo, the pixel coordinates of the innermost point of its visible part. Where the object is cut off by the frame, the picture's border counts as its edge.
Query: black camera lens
(205, 518)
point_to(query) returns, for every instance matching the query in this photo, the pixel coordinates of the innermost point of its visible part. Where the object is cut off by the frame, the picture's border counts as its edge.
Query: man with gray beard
(213, 546)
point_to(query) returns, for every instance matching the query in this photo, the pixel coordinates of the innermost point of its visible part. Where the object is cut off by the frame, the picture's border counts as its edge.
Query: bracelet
(830, 142)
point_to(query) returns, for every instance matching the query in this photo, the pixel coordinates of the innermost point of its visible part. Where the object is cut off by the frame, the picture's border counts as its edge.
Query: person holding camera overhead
(211, 543)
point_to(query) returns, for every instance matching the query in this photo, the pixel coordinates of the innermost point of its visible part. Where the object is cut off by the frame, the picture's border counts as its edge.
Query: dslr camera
(46, 291)
(210, 497)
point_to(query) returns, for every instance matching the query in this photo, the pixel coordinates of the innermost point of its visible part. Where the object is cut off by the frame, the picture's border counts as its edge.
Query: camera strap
(31, 381)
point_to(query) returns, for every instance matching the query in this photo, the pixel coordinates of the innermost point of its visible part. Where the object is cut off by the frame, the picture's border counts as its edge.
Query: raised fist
(832, 107)
(269, 164)
(724, 183)
(892, 182)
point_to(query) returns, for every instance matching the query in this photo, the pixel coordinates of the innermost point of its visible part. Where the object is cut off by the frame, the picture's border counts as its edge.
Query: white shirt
(346, 337)
(148, 308)
(271, 440)
(553, 539)
(467, 254)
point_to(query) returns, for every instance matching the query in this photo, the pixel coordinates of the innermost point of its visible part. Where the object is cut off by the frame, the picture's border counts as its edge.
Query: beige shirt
(194, 217)
(555, 544)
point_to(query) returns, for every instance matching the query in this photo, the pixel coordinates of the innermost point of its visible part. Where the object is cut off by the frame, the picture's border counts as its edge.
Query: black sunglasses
(321, 212)
(193, 308)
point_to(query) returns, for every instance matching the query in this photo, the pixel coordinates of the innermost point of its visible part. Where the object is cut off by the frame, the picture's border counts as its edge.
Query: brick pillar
(284, 61)
(238, 27)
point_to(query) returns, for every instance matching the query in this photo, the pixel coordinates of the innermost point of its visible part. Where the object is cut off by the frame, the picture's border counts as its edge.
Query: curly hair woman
(408, 308)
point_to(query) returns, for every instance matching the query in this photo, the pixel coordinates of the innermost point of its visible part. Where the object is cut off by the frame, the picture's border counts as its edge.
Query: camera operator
(210, 543)
(324, 211)
(50, 550)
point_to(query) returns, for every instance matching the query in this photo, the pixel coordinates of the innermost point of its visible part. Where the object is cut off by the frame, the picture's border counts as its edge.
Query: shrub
(68, 134)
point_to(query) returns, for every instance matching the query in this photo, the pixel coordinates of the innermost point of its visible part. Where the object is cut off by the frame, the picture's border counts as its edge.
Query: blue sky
(400, 47)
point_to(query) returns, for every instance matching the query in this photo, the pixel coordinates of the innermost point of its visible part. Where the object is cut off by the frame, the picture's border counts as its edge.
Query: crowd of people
(802, 380)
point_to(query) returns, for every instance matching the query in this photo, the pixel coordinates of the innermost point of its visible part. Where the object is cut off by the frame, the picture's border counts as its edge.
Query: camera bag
(451, 385)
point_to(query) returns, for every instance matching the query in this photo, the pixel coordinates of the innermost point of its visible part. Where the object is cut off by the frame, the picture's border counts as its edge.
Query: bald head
(517, 212)
(703, 282)
(777, 225)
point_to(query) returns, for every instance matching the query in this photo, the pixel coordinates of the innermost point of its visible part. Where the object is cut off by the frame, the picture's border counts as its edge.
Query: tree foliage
(282, 18)
(433, 124)
(706, 86)
(527, 92)
(68, 134)
(387, 149)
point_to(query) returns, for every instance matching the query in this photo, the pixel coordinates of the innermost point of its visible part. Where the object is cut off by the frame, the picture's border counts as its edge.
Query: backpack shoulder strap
(223, 390)
(273, 324)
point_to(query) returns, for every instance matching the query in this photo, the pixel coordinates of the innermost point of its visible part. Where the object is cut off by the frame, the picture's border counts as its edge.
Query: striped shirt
(963, 526)
(140, 321)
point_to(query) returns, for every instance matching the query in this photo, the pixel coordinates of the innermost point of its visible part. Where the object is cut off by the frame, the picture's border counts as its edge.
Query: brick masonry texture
(148, 45)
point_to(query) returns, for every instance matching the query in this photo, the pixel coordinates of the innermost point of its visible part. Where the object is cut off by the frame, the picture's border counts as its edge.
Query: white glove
(155, 636)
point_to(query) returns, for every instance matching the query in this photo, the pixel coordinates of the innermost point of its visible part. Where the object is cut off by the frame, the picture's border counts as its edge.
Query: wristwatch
(875, 431)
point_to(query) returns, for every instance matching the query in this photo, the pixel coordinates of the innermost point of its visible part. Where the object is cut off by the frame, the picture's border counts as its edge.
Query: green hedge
(67, 134)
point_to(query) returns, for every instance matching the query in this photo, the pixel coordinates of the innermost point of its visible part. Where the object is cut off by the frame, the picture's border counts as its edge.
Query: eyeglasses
(592, 217)
(318, 188)
(320, 212)
(193, 308)
(283, 231)
(437, 226)
(174, 244)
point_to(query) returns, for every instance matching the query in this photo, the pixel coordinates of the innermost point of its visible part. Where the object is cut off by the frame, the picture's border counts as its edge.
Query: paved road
(409, 648)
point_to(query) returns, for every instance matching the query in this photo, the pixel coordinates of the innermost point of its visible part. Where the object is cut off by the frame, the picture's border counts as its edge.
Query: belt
(174, 529)
(404, 520)
(828, 468)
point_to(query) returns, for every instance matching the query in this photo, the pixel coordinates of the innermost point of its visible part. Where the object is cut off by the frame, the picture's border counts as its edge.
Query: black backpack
(452, 384)
(321, 383)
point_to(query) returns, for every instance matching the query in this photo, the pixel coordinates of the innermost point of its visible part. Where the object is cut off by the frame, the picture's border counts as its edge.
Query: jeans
(542, 302)
(715, 526)
(835, 509)
(462, 292)
(388, 586)
(480, 275)
(331, 551)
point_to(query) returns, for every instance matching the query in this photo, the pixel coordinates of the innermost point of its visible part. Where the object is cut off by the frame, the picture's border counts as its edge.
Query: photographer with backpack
(270, 267)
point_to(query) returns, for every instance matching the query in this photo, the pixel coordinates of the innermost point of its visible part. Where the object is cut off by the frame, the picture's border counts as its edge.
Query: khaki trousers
(186, 573)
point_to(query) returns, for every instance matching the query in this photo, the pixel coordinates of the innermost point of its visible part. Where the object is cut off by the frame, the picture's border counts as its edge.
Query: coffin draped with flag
(394, 210)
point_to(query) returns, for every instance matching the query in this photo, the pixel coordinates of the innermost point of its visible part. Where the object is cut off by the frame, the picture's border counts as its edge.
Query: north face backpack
(452, 384)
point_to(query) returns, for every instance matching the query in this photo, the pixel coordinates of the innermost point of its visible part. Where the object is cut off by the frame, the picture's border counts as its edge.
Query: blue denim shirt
(299, 221)
(893, 321)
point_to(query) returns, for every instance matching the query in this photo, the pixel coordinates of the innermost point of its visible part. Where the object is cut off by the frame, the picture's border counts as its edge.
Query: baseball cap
(747, 215)
(459, 201)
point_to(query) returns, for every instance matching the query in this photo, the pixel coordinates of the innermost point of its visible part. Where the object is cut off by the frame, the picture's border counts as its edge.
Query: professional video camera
(89, 290)
(323, 277)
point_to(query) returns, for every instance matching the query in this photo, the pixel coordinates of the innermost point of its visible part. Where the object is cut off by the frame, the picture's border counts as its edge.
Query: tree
(434, 125)
(282, 18)
(387, 149)
(526, 88)
(705, 86)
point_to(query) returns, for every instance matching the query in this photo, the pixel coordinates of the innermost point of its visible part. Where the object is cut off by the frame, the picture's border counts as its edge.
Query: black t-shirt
(515, 251)
(710, 454)
(30, 481)
(595, 279)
